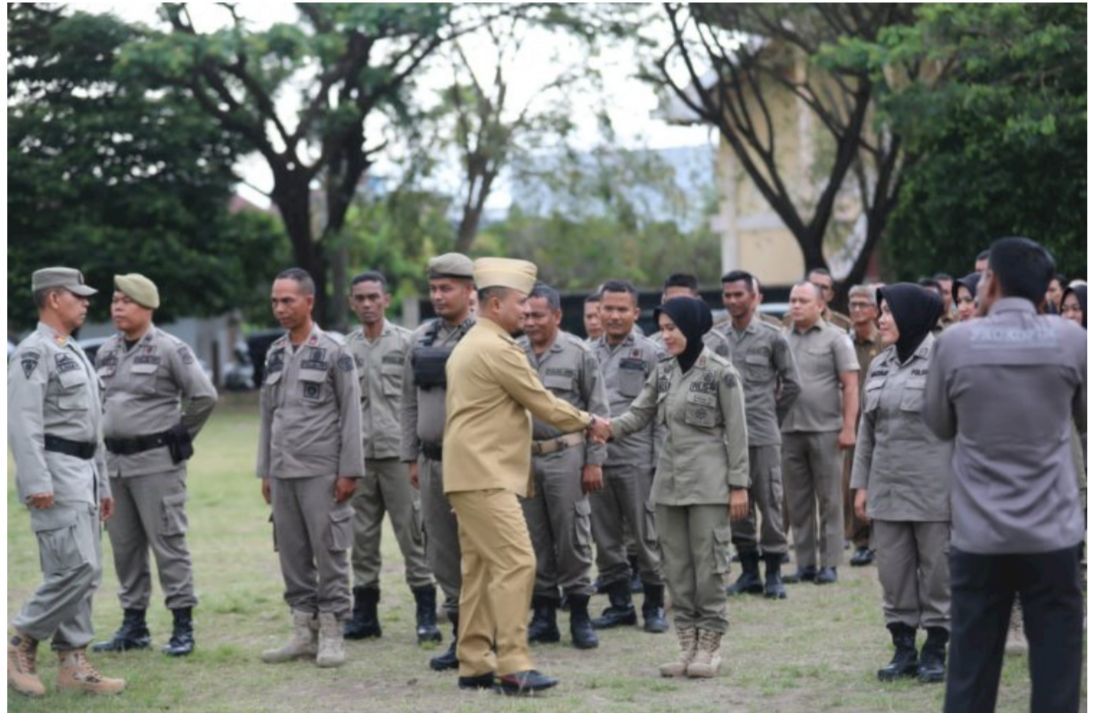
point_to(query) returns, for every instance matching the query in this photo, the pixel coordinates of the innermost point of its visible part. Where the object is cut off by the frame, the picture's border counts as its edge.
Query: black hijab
(693, 319)
(916, 312)
(1082, 299)
(970, 282)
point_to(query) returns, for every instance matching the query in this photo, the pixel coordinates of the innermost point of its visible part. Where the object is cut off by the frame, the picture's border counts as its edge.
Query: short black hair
(621, 286)
(930, 282)
(1023, 268)
(595, 297)
(942, 276)
(370, 276)
(547, 293)
(301, 277)
(739, 276)
(1062, 280)
(984, 255)
(682, 279)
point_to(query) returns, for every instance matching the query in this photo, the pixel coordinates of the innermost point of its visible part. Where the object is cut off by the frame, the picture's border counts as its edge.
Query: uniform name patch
(65, 363)
(633, 364)
(147, 359)
(557, 371)
(392, 359)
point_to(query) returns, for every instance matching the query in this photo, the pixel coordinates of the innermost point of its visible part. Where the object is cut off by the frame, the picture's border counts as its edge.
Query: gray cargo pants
(623, 503)
(442, 541)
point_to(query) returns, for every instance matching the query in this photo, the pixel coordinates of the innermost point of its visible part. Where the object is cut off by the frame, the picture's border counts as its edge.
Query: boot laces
(25, 655)
(85, 669)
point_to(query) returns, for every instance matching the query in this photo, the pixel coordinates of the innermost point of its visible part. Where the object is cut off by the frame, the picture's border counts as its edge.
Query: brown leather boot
(708, 658)
(77, 674)
(22, 666)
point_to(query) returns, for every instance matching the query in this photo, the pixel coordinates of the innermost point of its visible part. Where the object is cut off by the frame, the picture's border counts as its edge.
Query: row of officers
(715, 435)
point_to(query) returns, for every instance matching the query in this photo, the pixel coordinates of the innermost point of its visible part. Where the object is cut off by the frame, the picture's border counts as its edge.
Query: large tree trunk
(291, 196)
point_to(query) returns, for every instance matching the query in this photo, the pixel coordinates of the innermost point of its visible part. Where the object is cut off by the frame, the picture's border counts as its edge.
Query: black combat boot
(543, 629)
(363, 623)
(182, 633)
(448, 660)
(654, 618)
(583, 635)
(133, 634)
(620, 611)
(774, 585)
(904, 663)
(636, 583)
(426, 614)
(931, 667)
(749, 582)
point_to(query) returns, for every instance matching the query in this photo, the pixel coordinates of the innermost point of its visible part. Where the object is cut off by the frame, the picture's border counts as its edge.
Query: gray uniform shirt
(53, 389)
(705, 452)
(821, 352)
(902, 463)
(147, 389)
(770, 378)
(1008, 388)
(422, 411)
(310, 405)
(569, 369)
(626, 368)
(380, 376)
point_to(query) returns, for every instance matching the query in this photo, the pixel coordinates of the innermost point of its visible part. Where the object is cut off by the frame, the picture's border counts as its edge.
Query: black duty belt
(139, 444)
(79, 449)
(432, 451)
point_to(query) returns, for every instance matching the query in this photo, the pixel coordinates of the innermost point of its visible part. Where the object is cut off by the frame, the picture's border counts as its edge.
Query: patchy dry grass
(816, 651)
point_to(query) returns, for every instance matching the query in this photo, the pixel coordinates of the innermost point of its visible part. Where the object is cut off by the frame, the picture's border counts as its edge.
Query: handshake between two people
(599, 430)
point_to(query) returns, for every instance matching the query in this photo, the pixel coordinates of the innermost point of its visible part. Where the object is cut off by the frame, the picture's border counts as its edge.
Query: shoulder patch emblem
(186, 355)
(29, 362)
(729, 380)
(345, 363)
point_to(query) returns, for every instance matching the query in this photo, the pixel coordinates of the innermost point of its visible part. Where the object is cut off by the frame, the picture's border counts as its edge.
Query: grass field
(816, 651)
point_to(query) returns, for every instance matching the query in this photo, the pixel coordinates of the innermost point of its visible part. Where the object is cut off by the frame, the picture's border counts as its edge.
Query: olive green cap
(65, 277)
(138, 288)
(450, 265)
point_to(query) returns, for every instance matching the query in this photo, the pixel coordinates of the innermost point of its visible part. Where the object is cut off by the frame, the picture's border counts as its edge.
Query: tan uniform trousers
(558, 516)
(696, 554)
(766, 504)
(812, 481)
(150, 512)
(68, 551)
(387, 488)
(498, 569)
(312, 534)
(621, 505)
(912, 560)
(440, 525)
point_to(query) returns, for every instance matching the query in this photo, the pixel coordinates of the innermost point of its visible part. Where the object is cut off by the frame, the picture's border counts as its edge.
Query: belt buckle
(561, 444)
(538, 449)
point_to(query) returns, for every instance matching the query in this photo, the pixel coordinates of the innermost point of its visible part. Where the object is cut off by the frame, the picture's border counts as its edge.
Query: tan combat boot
(302, 642)
(331, 652)
(77, 674)
(707, 660)
(22, 666)
(686, 638)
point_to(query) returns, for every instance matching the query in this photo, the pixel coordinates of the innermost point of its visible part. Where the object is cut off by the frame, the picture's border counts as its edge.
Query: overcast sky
(629, 102)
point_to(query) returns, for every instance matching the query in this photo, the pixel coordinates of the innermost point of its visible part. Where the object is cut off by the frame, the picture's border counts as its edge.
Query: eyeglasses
(861, 305)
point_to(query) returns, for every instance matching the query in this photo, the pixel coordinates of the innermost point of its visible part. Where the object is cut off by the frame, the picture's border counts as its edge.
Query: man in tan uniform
(821, 278)
(380, 349)
(558, 514)
(156, 398)
(310, 460)
(422, 424)
(55, 436)
(868, 344)
(488, 437)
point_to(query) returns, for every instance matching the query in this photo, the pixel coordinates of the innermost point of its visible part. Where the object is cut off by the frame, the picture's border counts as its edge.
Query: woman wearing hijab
(900, 474)
(702, 470)
(1075, 304)
(963, 293)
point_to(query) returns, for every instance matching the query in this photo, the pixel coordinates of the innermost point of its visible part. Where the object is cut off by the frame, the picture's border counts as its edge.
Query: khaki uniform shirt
(705, 451)
(151, 387)
(422, 411)
(310, 404)
(53, 389)
(380, 378)
(488, 429)
(822, 353)
(1008, 389)
(626, 368)
(841, 321)
(902, 464)
(568, 368)
(770, 379)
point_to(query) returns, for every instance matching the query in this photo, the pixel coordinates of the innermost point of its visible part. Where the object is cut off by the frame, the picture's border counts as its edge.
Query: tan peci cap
(519, 275)
(450, 265)
(66, 277)
(138, 288)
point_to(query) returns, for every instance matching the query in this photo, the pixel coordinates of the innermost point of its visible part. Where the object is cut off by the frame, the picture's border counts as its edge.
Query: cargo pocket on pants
(776, 488)
(721, 549)
(173, 515)
(583, 536)
(417, 534)
(342, 528)
(55, 529)
(650, 530)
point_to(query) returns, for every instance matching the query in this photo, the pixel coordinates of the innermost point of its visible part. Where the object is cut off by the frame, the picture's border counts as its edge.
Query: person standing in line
(1008, 388)
(591, 319)
(965, 292)
(55, 435)
(380, 349)
(866, 341)
(156, 398)
(901, 482)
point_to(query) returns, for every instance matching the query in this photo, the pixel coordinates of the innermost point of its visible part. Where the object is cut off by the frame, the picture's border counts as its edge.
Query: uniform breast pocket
(392, 379)
(143, 378)
(313, 385)
(872, 391)
(702, 410)
(817, 362)
(73, 395)
(757, 367)
(913, 395)
(630, 382)
(559, 384)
